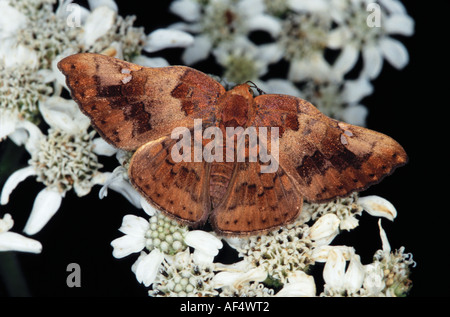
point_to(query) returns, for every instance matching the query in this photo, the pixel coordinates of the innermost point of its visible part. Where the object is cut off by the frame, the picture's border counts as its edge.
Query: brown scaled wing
(327, 158)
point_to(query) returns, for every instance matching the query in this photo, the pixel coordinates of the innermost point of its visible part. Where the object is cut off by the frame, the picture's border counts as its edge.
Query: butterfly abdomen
(221, 173)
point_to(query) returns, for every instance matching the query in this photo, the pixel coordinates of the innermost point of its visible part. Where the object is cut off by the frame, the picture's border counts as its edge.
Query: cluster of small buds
(396, 270)
(65, 160)
(182, 277)
(303, 36)
(279, 252)
(346, 209)
(165, 234)
(249, 290)
(22, 94)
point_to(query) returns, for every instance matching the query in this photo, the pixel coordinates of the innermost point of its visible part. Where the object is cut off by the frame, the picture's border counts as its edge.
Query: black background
(406, 104)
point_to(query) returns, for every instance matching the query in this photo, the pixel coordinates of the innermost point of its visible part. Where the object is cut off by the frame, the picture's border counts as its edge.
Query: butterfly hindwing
(180, 189)
(256, 202)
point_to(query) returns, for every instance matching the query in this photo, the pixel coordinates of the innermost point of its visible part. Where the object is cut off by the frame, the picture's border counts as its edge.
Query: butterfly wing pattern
(130, 105)
(327, 158)
(136, 108)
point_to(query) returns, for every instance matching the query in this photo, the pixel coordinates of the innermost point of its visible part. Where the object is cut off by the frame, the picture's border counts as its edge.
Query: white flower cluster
(318, 42)
(275, 264)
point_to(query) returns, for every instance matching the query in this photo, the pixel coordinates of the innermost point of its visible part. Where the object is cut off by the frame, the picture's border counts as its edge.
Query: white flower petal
(349, 223)
(198, 51)
(12, 20)
(6, 223)
(241, 266)
(355, 90)
(308, 5)
(279, 86)
(13, 180)
(235, 279)
(166, 38)
(82, 189)
(270, 53)
(11, 241)
(45, 205)
(101, 178)
(115, 49)
(235, 242)
(355, 114)
(354, 276)
(128, 191)
(188, 10)
(149, 209)
(93, 4)
(325, 229)
(127, 245)
(101, 147)
(222, 279)
(337, 38)
(193, 28)
(265, 23)
(395, 52)
(203, 241)
(393, 6)
(320, 253)
(148, 267)
(20, 55)
(201, 258)
(254, 275)
(134, 226)
(35, 135)
(66, 9)
(46, 75)
(150, 61)
(373, 61)
(8, 122)
(384, 240)
(117, 183)
(399, 24)
(346, 60)
(299, 284)
(64, 114)
(98, 24)
(334, 270)
(7, 46)
(19, 137)
(251, 7)
(315, 68)
(378, 207)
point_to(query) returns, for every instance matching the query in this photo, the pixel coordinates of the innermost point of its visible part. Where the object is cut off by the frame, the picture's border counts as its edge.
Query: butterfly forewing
(130, 105)
(325, 157)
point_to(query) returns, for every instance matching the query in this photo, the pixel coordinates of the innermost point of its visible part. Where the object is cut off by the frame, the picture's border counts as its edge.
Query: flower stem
(10, 159)
(12, 276)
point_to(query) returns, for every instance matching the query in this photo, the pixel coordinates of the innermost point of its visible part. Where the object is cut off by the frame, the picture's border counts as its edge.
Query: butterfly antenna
(253, 85)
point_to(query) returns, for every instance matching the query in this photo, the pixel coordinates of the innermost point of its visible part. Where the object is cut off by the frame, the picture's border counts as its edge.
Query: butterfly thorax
(235, 107)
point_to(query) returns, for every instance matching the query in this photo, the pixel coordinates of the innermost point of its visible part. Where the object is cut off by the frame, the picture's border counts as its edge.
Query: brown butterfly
(136, 108)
